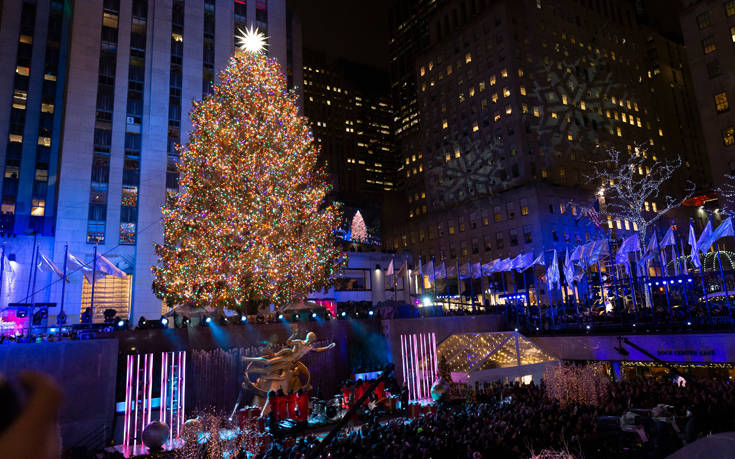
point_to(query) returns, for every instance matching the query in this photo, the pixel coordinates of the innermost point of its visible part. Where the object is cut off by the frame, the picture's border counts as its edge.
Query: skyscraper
(349, 108)
(98, 100)
(514, 97)
(709, 34)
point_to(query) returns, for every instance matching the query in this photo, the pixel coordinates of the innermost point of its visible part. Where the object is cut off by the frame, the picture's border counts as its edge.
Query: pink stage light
(419, 362)
(139, 395)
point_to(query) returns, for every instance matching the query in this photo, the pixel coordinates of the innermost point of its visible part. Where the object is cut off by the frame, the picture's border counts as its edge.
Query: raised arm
(325, 348)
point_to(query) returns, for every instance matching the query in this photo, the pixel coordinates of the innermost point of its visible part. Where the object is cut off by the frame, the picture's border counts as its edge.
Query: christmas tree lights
(250, 223)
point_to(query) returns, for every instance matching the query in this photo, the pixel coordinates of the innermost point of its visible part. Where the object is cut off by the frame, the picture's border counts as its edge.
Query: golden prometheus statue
(284, 369)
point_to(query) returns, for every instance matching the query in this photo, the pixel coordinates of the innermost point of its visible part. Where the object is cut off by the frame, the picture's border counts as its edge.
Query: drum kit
(328, 410)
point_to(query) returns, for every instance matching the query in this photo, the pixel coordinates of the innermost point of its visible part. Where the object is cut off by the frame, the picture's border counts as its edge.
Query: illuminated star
(251, 40)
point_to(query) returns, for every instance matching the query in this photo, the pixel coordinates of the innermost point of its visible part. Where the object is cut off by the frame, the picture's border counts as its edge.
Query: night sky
(357, 30)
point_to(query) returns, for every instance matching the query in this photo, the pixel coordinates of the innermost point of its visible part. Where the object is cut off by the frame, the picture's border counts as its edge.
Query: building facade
(348, 106)
(97, 95)
(709, 34)
(514, 99)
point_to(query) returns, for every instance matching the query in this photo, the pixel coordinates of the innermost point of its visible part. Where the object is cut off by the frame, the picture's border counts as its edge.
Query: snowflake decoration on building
(471, 172)
(251, 40)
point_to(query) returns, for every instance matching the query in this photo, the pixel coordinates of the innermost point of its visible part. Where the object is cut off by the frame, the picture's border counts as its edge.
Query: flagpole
(602, 288)
(446, 284)
(663, 276)
(526, 305)
(482, 284)
(722, 277)
(94, 278)
(433, 269)
(614, 270)
(632, 287)
(472, 286)
(63, 280)
(35, 274)
(701, 272)
(459, 284)
(30, 273)
(682, 272)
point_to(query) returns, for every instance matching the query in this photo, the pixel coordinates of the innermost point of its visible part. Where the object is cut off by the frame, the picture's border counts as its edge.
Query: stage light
(427, 301)
(53, 330)
(243, 318)
(164, 321)
(120, 323)
(208, 320)
(656, 282)
(343, 314)
(185, 321)
(357, 314)
(297, 317)
(689, 323)
(679, 281)
(588, 327)
(371, 313)
(689, 280)
(280, 316)
(516, 329)
(313, 314)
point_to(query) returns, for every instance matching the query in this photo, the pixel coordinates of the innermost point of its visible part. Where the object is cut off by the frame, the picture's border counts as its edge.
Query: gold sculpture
(283, 370)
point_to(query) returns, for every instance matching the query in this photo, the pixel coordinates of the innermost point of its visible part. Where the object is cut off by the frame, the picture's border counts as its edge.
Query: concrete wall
(86, 372)
(694, 348)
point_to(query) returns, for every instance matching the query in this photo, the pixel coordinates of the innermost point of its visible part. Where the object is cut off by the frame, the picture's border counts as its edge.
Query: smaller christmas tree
(358, 230)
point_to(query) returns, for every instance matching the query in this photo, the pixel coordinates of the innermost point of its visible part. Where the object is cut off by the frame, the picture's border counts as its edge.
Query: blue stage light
(208, 320)
(243, 319)
(313, 314)
(343, 314)
(120, 323)
(371, 313)
(164, 321)
(53, 330)
(280, 316)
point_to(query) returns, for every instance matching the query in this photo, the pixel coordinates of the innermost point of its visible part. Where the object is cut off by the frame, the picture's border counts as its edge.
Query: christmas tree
(250, 223)
(358, 230)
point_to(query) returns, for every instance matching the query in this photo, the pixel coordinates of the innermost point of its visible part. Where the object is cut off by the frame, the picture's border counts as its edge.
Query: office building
(709, 34)
(348, 106)
(513, 99)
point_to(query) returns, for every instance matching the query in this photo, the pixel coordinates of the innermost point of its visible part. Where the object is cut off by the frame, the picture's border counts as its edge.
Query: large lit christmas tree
(250, 223)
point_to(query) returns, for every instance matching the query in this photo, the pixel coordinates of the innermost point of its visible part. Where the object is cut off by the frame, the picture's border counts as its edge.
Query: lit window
(27, 39)
(482, 86)
(444, 124)
(449, 69)
(732, 34)
(627, 225)
(492, 80)
(422, 71)
(653, 206)
(20, 70)
(45, 141)
(536, 112)
(472, 92)
(508, 109)
(447, 157)
(721, 103)
(494, 97)
(504, 73)
(708, 45)
(456, 152)
(728, 136)
(506, 92)
(564, 99)
(730, 7)
(468, 58)
(475, 127)
(523, 90)
(37, 207)
(647, 206)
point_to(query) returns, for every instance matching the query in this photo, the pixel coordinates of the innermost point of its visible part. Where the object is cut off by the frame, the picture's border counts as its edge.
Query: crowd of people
(519, 420)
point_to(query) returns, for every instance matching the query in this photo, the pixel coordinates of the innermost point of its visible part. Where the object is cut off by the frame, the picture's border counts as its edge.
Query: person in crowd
(302, 406)
(291, 400)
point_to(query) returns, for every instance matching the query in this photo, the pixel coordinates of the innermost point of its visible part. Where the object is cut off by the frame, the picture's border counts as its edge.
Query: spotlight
(634, 325)
(679, 281)
(357, 314)
(297, 317)
(371, 313)
(427, 301)
(208, 320)
(689, 323)
(313, 315)
(185, 321)
(280, 316)
(516, 329)
(53, 330)
(343, 314)
(588, 327)
(164, 321)
(243, 318)
(689, 280)
(120, 323)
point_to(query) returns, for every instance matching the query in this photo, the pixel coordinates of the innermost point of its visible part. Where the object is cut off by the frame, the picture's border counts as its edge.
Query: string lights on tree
(358, 230)
(250, 223)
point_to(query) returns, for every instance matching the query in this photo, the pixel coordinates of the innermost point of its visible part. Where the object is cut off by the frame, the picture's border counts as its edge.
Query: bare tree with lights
(629, 181)
(726, 193)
